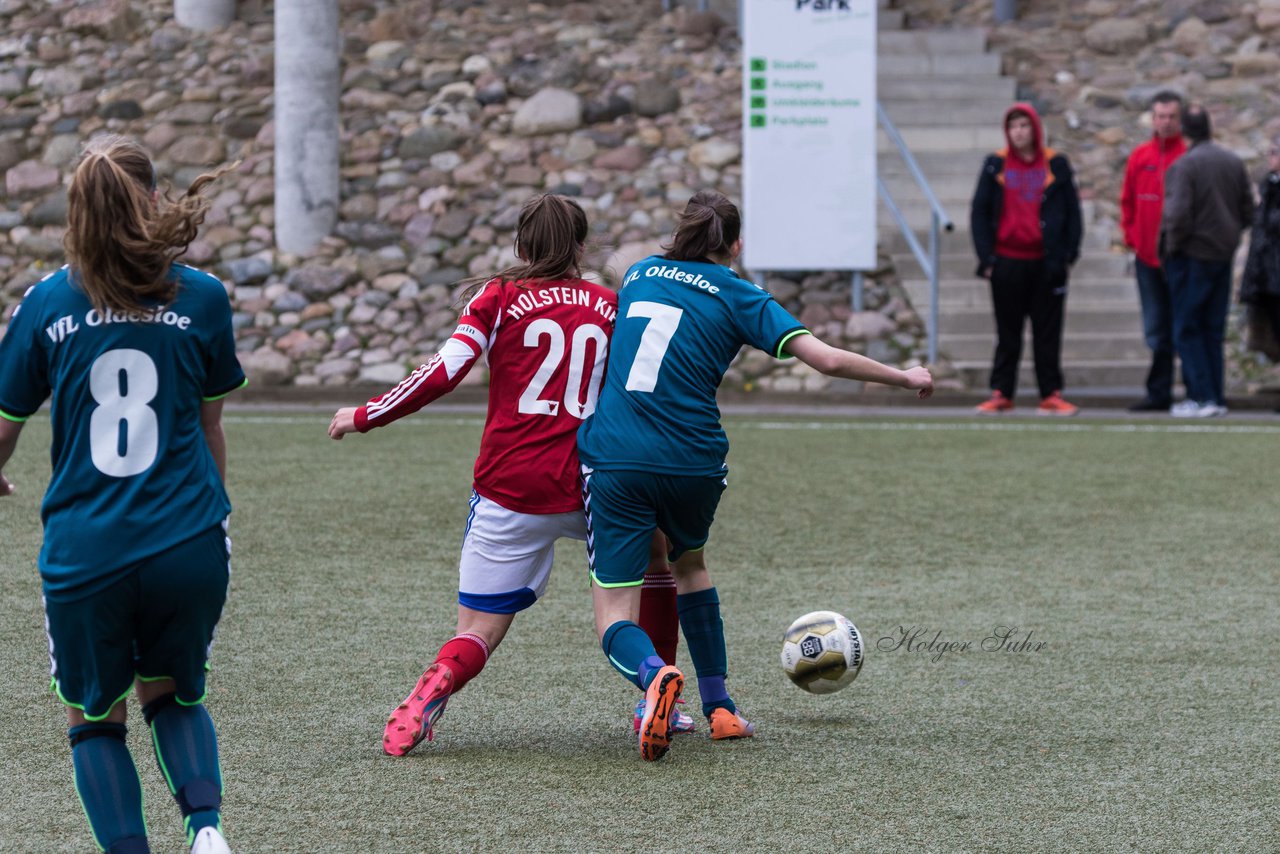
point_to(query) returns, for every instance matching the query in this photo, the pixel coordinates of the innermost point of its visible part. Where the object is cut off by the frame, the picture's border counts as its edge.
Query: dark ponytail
(708, 227)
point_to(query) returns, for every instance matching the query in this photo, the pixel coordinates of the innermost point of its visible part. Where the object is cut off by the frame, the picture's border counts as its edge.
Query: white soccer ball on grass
(822, 652)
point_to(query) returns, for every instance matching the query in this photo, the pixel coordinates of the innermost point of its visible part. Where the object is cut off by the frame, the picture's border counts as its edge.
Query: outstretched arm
(9, 431)
(835, 362)
(436, 378)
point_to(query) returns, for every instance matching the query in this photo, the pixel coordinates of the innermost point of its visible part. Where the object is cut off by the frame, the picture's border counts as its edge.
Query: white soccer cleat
(210, 841)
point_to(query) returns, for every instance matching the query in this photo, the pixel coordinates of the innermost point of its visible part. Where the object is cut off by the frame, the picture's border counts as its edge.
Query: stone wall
(452, 115)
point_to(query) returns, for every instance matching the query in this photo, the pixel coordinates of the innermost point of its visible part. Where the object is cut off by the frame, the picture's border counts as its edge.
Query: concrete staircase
(945, 94)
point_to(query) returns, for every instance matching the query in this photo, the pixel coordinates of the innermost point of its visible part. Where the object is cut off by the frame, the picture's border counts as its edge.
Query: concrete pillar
(306, 117)
(204, 15)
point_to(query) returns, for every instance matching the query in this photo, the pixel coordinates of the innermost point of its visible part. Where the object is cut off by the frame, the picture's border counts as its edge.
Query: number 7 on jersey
(663, 320)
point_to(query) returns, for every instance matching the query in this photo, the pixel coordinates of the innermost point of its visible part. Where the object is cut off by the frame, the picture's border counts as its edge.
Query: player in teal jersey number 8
(138, 352)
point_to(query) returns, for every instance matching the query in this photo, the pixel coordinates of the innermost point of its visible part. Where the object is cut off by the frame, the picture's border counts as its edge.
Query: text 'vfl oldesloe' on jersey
(132, 474)
(680, 324)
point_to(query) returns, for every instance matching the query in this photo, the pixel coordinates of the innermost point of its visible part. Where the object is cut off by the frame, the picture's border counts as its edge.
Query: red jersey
(545, 344)
(1142, 196)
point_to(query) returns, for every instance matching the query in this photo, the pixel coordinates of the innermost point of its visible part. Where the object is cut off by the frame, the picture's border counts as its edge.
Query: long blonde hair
(122, 235)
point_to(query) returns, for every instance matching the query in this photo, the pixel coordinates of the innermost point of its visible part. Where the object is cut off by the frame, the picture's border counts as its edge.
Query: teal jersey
(132, 474)
(680, 324)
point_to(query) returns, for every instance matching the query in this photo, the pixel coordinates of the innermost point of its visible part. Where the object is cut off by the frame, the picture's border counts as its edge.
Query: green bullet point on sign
(757, 102)
(757, 121)
(758, 64)
(758, 83)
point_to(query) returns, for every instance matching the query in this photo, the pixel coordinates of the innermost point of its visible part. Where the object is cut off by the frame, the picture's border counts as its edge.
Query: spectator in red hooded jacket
(1026, 226)
(1141, 207)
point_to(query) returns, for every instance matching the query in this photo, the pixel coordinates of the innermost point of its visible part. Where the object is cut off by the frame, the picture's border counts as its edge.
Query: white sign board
(809, 134)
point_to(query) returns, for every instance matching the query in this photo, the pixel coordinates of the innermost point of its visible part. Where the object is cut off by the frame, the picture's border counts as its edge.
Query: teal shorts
(155, 622)
(623, 508)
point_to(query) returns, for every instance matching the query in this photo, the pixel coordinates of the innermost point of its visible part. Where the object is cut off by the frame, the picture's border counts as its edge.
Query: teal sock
(631, 653)
(187, 750)
(109, 788)
(704, 637)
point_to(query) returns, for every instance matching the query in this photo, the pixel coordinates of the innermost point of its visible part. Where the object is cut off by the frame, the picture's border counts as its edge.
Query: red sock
(658, 612)
(465, 656)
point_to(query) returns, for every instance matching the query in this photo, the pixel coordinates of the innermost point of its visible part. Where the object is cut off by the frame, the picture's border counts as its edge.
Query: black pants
(1022, 289)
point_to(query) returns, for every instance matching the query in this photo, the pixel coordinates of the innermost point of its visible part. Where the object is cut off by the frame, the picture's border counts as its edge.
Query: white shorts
(507, 556)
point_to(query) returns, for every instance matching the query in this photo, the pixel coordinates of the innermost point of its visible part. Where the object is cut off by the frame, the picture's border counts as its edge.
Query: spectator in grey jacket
(1208, 202)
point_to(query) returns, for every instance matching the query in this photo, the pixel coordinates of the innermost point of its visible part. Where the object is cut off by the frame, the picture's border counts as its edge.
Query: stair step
(960, 265)
(912, 87)
(959, 294)
(974, 139)
(938, 63)
(979, 346)
(923, 113)
(912, 42)
(1096, 237)
(1084, 318)
(1076, 374)
(936, 165)
(919, 220)
(955, 195)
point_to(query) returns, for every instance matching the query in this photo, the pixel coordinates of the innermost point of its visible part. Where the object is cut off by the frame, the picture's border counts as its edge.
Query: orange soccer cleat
(659, 713)
(726, 724)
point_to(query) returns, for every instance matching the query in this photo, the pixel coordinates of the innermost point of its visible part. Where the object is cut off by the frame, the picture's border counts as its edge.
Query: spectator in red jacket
(1141, 207)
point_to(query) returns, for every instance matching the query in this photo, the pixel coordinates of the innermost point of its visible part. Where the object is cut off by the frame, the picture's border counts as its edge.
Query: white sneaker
(210, 841)
(1185, 409)
(1211, 410)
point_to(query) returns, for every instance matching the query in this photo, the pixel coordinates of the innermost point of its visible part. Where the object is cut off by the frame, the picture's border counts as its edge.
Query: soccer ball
(822, 652)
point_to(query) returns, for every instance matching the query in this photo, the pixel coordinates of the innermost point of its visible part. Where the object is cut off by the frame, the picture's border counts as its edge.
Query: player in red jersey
(545, 335)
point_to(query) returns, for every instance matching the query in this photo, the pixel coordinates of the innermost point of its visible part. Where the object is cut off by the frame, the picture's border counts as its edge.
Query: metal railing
(938, 221)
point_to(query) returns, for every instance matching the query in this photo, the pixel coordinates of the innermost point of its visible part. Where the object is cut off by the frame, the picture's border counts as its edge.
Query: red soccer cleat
(411, 721)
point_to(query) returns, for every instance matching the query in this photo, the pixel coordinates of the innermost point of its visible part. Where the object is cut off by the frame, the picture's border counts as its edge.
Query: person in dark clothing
(1208, 202)
(1026, 225)
(1260, 286)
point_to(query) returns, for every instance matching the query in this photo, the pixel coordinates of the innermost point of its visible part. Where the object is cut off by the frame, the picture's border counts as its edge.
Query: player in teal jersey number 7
(653, 454)
(138, 353)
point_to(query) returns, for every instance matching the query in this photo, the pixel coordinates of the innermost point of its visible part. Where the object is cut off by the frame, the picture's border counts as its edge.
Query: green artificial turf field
(1142, 557)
